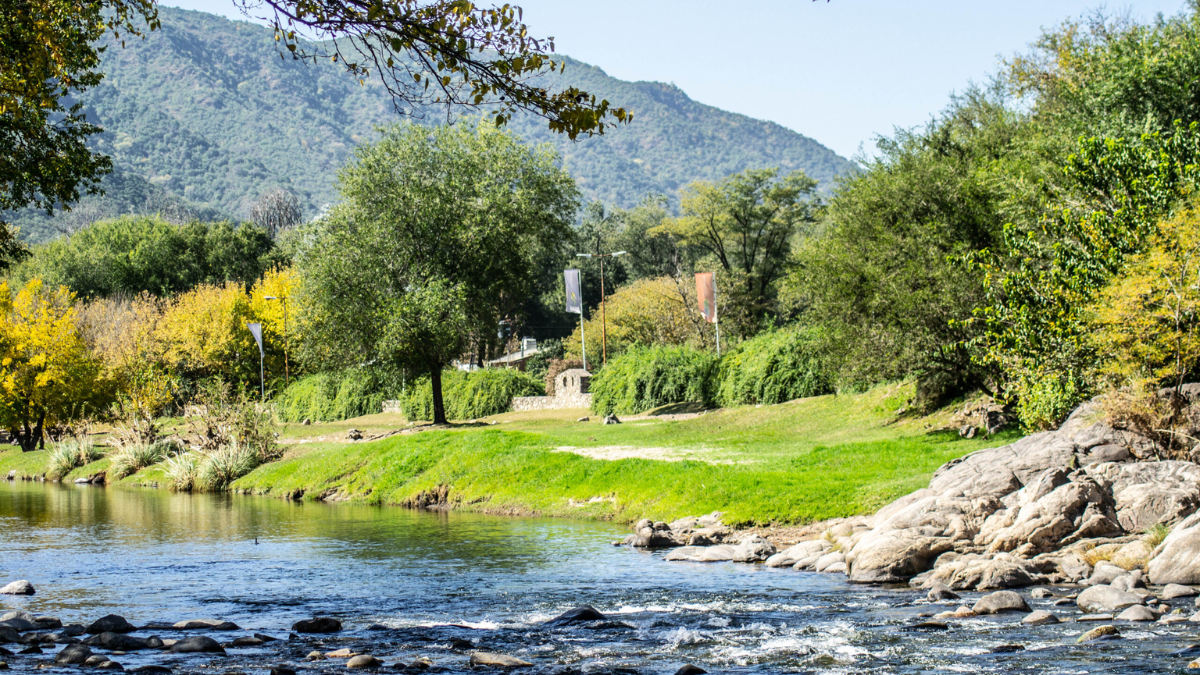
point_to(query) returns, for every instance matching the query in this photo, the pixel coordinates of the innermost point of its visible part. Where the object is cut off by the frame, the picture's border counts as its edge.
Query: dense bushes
(470, 395)
(774, 367)
(643, 378)
(134, 254)
(337, 395)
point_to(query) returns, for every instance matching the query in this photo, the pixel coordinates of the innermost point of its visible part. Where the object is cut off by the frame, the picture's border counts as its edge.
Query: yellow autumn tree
(271, 304)
(123, 334)
(660, 311)
(1148, 318)
(47, 374)
(203, 334)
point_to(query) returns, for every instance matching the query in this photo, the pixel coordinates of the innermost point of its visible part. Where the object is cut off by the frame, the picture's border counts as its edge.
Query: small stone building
(570, 391)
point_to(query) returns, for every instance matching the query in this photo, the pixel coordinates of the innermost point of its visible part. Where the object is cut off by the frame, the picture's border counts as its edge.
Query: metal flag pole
(603, 314)
(583, 339)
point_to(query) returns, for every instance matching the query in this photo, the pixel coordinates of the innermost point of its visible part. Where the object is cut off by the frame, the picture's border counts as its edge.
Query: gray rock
(19, 624)
(1094, 617)
(1000, 601)
(1109, 452)
(1149, 493)
(611, 419)
(836, 568)
(689, 669)
(802, 551)
(354, 435)
(1105, 573)
(363, 661)
(95, 660)
(122, 643)
(110, 624)
(488, 659)
(1173, 591)
(203, 624)
(939, 592)
(73, 654)
(21, 587)
(246, 641)
(110, 665)
(1179, 559)
(893, 556)
(1039, 618)
(1137, 613)
(8, 635)
(317, 625)
(985, 573)
(1099, 599)
(828, 559)
(199, 644)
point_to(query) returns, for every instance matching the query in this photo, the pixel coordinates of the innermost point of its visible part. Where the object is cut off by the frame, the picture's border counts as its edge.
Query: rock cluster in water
(1064, 506)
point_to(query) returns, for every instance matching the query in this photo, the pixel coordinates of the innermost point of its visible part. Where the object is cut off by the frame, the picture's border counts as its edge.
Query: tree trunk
(439, 408)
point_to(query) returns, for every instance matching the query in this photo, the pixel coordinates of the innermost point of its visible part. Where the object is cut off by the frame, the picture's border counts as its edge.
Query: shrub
(224, 420)
(225, 465)
(470, 395)
(644, 378)
(183, 472)
(337, 395)
(774, 367)
(70, 454)
(132, 457)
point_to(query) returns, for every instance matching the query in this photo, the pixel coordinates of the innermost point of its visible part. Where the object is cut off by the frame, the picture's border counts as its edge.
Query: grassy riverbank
(800, 461)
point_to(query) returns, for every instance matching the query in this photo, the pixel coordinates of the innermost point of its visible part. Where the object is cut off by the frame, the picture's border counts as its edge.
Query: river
(431, 578)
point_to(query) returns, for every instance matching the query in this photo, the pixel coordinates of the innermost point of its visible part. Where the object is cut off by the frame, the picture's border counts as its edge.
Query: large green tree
(437, 238)
(747, 223)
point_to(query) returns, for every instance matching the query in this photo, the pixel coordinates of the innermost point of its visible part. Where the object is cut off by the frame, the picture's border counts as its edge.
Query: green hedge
(470, 395)
(644, 378)
(338, 395)
(774, 367)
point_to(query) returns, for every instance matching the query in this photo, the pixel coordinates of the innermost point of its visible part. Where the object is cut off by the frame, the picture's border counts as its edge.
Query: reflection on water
(432, 577)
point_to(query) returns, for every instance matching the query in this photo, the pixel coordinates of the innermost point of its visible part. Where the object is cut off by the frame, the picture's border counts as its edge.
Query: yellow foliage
(47, 375)
(657, 311)
(203, 333)
(281, 320)
(122, 334)
(1149, 316)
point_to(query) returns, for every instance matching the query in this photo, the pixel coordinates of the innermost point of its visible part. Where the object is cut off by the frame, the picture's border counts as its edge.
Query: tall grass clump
(71, 453)
(183, 471)
(337, 395)
(643, 378)
(225, 465)
(130, 458)
(470, 395)
(774, 367)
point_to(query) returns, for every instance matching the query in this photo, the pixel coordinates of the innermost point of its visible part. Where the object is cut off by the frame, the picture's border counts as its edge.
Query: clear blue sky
(841, 72)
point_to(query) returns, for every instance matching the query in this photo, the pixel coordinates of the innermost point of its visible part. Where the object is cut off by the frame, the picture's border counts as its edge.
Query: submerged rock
(689, 669)
(581, 614)
(202, 624)
(497, 660)
(317, 625)
(122, 643)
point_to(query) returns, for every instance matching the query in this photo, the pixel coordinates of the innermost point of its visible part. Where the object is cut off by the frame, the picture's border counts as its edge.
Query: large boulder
(1106, 599)
(73, 654)
(894, 556)
(1178, 561)
(321, 624)
(1149, 493)
(119, 642)
(751, 549)
(985, 573)
(810, 551)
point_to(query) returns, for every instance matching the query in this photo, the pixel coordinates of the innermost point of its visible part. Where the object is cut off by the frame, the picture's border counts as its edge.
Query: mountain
(204, 114)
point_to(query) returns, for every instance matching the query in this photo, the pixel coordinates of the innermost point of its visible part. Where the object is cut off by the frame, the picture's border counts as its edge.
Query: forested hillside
(205, 110)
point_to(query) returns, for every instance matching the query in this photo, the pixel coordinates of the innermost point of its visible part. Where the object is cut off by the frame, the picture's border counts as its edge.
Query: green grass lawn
(795, 462)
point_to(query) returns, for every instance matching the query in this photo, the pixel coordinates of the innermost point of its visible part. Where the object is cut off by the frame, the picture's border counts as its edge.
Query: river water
(432, 578)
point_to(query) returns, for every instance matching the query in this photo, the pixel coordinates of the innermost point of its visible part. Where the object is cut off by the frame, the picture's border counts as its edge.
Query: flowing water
(407, 584)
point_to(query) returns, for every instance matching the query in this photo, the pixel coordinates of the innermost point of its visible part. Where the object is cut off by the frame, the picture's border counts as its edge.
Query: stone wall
(520, 403)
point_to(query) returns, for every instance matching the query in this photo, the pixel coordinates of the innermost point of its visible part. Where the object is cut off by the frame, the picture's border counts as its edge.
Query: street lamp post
(603, 317)
(287, 378)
